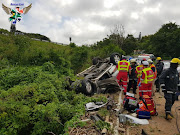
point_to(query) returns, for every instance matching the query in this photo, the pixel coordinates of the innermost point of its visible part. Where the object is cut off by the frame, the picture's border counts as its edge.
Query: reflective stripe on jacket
(139, 70)
(123, 65)
(149, 76)
(170, 78)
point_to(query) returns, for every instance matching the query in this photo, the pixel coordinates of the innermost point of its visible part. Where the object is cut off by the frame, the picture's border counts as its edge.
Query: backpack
(143, 114)
(149, 104)
(130, 103)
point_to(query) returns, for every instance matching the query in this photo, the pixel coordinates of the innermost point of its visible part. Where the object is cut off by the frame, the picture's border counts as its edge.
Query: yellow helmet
(158, 58)
(175, 60)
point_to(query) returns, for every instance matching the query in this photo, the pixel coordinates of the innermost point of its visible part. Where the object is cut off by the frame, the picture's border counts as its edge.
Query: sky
(89, 21)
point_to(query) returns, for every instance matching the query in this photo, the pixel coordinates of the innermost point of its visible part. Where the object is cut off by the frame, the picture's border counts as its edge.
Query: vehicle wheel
(114, 58)
(75, 85)
(88, 88)
(95, 61)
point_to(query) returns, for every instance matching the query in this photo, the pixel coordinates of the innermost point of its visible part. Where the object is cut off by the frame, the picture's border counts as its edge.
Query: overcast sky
(89, 21)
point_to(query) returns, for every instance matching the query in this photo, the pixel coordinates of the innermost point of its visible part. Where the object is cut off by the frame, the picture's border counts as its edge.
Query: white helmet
(133, 60)
(145, 63)
(150, 61)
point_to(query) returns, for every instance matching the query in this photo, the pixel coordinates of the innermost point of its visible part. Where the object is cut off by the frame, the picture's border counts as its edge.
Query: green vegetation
(34, 94)
(165, 42)
(34, 100)
(102, 124)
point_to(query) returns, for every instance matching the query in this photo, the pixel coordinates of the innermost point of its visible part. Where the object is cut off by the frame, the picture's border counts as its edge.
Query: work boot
(157, 89)
(171, 115)
(176, 98)
(168, 116)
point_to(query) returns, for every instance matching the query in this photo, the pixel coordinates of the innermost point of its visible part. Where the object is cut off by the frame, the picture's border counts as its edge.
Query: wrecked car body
(100, 77)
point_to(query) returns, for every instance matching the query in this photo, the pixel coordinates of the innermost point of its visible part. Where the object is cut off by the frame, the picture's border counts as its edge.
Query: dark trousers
(170, 99)
(157, 83)
(132, 83)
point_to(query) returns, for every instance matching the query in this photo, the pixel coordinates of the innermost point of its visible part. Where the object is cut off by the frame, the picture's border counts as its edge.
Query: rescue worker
(139, 70)
(146, 80)
(152, 66)
(159, 66)
(169, 81)
(132, 77)
(124, 68)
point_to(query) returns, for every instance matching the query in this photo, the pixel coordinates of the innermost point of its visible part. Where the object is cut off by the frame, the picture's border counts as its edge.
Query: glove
(139, 84)
(163, 87)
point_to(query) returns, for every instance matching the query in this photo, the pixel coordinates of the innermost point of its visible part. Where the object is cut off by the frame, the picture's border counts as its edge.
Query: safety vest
(155, 73)
(123, 65)
(149, 76)
(139, 70)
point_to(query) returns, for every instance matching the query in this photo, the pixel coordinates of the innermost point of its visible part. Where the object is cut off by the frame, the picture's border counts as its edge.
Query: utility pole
(70, 39)
(139, 36)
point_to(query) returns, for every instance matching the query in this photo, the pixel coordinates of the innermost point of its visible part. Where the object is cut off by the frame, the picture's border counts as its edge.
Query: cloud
(88, 21)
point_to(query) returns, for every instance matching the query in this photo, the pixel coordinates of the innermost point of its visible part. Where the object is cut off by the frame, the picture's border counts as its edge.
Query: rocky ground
(158, 125)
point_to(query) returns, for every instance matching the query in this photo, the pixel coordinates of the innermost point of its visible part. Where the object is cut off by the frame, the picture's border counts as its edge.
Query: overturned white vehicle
(100, 77)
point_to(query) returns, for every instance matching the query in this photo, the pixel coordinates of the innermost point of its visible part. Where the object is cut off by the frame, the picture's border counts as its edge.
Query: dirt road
(158, 124)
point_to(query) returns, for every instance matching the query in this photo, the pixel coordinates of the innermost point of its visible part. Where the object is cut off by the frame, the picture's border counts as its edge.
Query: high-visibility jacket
(123, 65)
(155, 73)
(139, 70)
(149, 76)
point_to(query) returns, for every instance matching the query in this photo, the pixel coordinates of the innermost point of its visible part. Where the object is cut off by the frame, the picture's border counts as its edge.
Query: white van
(141, 57)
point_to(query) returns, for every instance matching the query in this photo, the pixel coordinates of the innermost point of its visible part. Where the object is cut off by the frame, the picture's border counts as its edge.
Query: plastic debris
(92, 106)
(123, 118)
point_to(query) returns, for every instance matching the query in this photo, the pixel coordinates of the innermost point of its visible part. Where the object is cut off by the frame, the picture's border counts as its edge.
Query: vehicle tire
(114, 58)
(95, 61)
(88, 88)
(75, 86)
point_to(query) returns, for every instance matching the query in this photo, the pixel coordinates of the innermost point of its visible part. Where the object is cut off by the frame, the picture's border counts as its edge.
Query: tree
(117, 35)
(145, 44)
(130, 44)
(166, 41)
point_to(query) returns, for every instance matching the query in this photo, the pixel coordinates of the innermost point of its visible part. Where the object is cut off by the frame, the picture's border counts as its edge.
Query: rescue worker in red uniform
(146, 80)
(152, 66)
(139, 71)
(124, 68)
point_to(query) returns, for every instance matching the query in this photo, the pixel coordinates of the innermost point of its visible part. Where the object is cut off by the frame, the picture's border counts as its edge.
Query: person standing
(152, 66)
(146, 80)
(124, 68)
(132, 77)
(159, 66)
(169, 81)
(139, 71)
